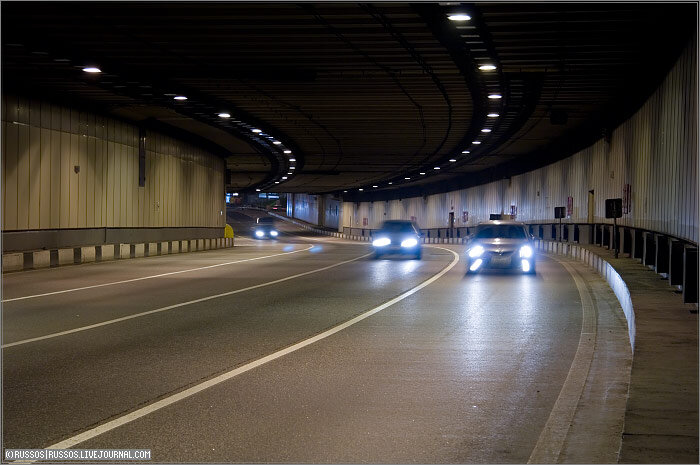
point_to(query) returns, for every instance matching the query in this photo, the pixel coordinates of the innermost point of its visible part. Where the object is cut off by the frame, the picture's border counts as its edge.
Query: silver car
(501, 244)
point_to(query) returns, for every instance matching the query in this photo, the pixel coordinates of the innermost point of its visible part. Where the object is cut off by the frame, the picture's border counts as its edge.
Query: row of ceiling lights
(224, 115)
(492, 96)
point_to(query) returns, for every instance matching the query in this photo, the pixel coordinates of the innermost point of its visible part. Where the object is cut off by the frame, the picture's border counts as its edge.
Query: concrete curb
(22, 261)
(605, 269)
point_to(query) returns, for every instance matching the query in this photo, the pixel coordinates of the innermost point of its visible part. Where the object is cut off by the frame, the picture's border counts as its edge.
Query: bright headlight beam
(273, 233)
(381, 242)
(475, 265)
(410, 242)
(526, 265)
(526, 251)
(259, 233)
(476, 251)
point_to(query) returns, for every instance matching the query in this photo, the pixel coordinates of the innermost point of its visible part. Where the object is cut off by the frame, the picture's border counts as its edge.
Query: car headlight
(526, 251)
(259, 233)
(381, 242)
(476, 251)
(410, 242)
(273, 233)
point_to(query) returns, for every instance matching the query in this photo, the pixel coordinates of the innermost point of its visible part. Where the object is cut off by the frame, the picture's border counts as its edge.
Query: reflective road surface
(236, 355)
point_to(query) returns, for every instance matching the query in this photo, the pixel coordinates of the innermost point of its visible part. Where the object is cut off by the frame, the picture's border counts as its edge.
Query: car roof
(492, 222)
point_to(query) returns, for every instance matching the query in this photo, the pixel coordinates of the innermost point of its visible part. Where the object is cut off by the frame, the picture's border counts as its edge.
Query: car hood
(501, 245)
(394, 236)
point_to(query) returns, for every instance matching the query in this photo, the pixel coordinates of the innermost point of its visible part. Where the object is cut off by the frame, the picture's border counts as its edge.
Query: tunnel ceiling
(358, 95)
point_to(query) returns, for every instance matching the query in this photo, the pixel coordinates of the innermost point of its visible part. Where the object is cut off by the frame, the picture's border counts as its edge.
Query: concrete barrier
(76, 255)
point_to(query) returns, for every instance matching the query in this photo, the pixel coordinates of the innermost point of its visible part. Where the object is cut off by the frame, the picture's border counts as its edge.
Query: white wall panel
(43, 143)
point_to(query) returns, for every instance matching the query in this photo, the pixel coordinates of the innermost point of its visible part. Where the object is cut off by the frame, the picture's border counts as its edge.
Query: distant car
(397, 237)
(265, 228)
(501, 244)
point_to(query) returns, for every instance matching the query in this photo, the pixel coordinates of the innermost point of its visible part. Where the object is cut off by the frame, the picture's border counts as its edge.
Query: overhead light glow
(284, 178)
(486, 130)
(476, 142)
(494, 96)
(422, 174)
(287, 151)
(436, 168)
(256, 131)
(276, 142)
(452, 160)
(277, 182)
(407, 179)
(487, 67)
(224, 115)
(493, 115)
(292, 167)
(375, 186)
(459, 17)
(179, 97)
(344, 191)
(292, 159)
(391, 183)
(466, 151)
(92, 69)
(257, 190)
(360, 190)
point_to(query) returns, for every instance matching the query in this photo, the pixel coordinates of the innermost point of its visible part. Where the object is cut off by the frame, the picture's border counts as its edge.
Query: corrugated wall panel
(655, 151)
(42, 144)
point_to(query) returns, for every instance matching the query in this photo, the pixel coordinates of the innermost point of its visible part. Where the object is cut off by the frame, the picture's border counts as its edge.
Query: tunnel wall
(654, 152)
(321, 210)
(44, 193)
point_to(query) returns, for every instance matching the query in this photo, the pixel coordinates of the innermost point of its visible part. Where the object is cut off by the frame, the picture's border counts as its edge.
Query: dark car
(265, 228)
(397, 237)
(501, 244)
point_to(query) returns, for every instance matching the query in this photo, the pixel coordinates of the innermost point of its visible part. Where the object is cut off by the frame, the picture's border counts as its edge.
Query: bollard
(675, 273)
(690, 275)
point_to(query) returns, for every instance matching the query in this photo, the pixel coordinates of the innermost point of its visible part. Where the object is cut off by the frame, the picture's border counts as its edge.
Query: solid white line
(551, 441)
(170, 307)
(150, 277)
(143, 411)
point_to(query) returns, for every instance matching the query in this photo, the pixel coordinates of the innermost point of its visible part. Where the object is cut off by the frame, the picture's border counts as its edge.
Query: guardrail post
(662, 255)
(675, 273)
(649, 246)
(584, 234)
(690, 275)
(638, 244)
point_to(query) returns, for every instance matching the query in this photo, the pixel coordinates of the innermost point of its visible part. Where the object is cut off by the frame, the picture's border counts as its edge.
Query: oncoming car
(398, 237)
(265, 229)
(501, 244)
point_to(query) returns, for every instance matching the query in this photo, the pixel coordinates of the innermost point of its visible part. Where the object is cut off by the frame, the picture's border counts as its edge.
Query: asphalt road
(465, 369)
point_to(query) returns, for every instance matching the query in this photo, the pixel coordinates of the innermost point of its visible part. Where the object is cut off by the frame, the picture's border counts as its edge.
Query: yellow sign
(228, 231)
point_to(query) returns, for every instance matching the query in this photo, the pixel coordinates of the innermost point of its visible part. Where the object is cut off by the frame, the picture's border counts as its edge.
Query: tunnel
(245, 232)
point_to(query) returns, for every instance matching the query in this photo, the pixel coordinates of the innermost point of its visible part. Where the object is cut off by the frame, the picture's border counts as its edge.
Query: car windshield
(505, 231)
(266, 220)
(398, 227)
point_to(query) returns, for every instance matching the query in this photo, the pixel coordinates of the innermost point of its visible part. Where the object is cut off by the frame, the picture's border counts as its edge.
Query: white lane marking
(143, 411)
(170, 307)
(114, 283)
(551, 440)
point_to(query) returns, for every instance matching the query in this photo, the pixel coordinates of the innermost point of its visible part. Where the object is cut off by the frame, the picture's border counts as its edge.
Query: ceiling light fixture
(257, 190)
(466, 151)
(487, 67)
(486, 130)
(292, 167)
(284, 178)
(436, 168)
(292, 159)
(276, 142)
(459, 17)
(287, 151)
(256, 131)
(92, 69)
(452, 160)
(407, 179)
(277, 182)
(179, 97)
(224, 115)
(494, 96)
(476, 142)
(493, 115)
(360, 190)
(391, 183)
(375, 186)
(422, 174)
